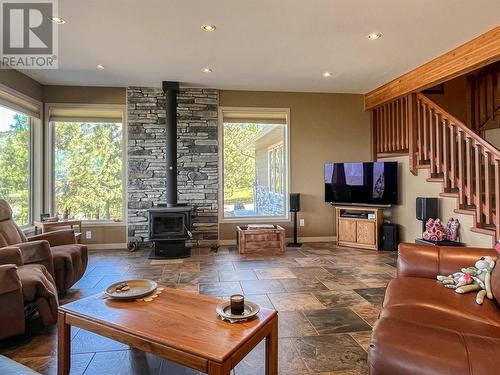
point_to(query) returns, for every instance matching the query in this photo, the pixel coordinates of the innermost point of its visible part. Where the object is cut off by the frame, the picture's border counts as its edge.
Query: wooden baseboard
(107, 246)
(300, 239)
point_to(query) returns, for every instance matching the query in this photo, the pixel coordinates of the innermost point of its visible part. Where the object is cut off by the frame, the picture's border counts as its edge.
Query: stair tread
(489, 232)
(449, 194)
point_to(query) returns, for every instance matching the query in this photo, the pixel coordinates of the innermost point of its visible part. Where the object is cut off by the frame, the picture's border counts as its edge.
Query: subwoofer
(389, 237)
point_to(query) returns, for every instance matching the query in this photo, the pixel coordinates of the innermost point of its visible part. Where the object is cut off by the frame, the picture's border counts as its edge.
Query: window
(88, 170)
(15, 163)
(87, 162)
(255, 163)
(276, 172)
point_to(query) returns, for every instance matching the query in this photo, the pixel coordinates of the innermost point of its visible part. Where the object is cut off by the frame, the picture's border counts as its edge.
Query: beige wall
(85, 94)
(21, 83)
(323, 128)
(109, 234)
(493, 136)
(454, 99)
(411, 187)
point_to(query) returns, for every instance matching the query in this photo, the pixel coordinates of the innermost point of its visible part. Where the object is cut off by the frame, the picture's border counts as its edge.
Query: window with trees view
(254, 168)
(88, 170)
(15, 157)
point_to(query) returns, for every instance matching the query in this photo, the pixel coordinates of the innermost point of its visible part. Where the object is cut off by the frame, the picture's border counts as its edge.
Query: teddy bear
(458, 279)
(477, 278)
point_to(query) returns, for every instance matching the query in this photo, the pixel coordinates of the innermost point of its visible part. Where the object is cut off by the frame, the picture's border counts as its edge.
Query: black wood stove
(170, 223)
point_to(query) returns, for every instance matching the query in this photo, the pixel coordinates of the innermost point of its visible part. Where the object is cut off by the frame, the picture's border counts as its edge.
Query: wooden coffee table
(180, 326)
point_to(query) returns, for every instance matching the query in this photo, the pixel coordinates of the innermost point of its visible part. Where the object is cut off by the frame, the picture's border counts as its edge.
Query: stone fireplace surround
(197, 115)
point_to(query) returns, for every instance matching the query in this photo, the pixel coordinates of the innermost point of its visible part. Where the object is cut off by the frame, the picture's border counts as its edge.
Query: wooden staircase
(483, 99)
(465, 164)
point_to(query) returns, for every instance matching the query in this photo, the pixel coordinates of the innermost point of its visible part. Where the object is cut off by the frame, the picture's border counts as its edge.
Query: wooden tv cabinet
(363, 231)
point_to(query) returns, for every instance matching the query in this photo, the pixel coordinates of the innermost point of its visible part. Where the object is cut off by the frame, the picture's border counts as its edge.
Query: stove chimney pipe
(170, 89)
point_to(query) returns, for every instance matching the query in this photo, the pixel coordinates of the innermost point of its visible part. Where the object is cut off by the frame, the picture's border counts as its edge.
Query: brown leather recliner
(69, 258)
(24, 288)
(425, 328)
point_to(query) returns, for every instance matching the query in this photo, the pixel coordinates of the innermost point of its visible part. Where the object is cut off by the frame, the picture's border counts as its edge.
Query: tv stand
(358, 226)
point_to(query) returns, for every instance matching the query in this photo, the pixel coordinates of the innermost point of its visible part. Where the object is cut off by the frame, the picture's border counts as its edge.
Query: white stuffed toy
(484, 267)
(471, 279)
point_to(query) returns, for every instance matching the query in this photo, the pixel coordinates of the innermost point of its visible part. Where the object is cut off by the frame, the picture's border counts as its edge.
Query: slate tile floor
(328, 298)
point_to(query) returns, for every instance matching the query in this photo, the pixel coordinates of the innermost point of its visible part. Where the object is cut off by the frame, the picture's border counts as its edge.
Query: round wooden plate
(138, 288)
(224, 310)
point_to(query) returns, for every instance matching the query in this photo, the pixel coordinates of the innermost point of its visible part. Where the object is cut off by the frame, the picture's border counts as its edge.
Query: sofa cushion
(403, 347)
(495, 280)
(427, 301)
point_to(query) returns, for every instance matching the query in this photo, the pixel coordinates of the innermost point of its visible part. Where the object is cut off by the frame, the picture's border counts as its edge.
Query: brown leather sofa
(24, 289)
(69, 259)
(425, 328)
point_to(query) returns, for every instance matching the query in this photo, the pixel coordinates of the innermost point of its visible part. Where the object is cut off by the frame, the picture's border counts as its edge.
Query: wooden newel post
(412, 131)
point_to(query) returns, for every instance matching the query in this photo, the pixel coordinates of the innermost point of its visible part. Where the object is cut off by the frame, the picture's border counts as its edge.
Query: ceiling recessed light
(373, 36)
(100, 67)
(208, 28)
(207, 70)
(327, 74)
(57, 20)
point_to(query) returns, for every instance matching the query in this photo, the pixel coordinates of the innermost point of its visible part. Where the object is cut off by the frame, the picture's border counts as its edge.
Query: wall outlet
(88, 235)
(302, 223)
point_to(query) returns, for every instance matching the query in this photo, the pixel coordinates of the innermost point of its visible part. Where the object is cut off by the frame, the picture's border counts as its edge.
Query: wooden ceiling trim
(480, 51)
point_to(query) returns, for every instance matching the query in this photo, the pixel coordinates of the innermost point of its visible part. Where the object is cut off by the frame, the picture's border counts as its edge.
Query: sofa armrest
(37, 252)
(9, 279)
(56, 238)
(429, 261)
(11, 255)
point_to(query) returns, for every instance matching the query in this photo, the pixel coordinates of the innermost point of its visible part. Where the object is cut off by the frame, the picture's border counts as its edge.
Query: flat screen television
(365, 183)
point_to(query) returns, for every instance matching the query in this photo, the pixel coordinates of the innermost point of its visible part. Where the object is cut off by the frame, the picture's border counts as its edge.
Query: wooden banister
(469, 133)
(467, 164)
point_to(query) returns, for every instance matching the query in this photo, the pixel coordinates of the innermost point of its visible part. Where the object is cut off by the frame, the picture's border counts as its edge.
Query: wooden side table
(260, 240)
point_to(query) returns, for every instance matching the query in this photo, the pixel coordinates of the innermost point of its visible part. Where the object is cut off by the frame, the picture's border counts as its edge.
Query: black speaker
(389, 237)
(294, 202)
(427, 208)
(294, 207)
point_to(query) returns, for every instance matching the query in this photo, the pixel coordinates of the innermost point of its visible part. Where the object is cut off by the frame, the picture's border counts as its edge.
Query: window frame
(49, 182)
(286, 169)
(35, 149)
(271, 157)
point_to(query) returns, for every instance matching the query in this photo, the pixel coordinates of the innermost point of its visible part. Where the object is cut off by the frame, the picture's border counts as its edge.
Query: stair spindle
(487, 187)
(478, 201)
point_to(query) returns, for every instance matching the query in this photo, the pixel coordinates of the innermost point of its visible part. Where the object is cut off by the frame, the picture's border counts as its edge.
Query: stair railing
(468, 164)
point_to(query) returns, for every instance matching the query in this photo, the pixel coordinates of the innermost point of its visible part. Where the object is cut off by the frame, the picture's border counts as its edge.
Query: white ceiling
(282, 45)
